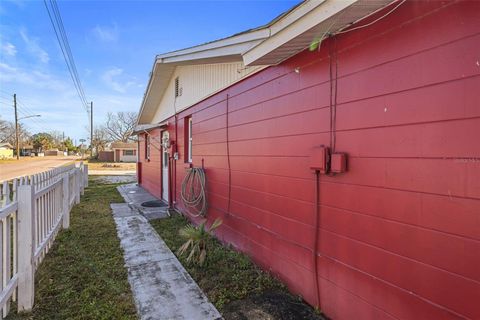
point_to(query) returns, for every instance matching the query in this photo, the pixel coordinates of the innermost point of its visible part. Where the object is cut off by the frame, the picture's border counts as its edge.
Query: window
(188, 139)
(128, 152)
(147, 146)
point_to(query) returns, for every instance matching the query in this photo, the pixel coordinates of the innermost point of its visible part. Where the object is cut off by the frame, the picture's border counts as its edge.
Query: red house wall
(151, 169)
(399, 233)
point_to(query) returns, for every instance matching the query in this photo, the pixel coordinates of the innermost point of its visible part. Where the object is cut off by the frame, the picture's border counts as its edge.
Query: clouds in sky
(31, 65)
(113, 44)
(106, 33)
(35, 78)
(115, 79)
(32, 46)
(8, 49)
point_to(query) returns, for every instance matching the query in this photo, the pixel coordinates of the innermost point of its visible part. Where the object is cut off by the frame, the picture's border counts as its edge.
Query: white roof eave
(268, 45)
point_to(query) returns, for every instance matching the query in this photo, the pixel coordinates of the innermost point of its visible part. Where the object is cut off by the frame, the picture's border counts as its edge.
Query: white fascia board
(293, 16)
(296, 27)
(234, 51)
(148, 95)
(229, 49)
(245, 38)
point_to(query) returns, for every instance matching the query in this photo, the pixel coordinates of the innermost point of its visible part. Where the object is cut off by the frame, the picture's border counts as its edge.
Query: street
(26, 166)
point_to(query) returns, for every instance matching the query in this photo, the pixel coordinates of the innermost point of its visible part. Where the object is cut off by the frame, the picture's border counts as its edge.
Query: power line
(7, 103)
(32, 121)
(7, 93)
(39, 122)
(69, 51)
(62, 39)
(5, 97)
(24, 111)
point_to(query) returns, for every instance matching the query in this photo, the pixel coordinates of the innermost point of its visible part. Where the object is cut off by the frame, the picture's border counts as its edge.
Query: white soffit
(220, 51)
(282, 38)
(307, 23)
(232, 47)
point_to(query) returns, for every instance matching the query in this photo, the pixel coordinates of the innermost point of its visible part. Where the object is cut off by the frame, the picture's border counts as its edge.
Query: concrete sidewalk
(162, 288)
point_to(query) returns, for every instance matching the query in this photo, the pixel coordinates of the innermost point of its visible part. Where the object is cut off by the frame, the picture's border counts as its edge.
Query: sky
(113, 44)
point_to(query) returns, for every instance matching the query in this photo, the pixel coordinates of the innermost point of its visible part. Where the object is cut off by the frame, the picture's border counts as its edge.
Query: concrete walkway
(162, 288)
(135, 196)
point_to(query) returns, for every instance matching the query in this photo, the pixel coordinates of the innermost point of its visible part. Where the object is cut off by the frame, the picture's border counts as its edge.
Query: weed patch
(83, 275)
(231, 280)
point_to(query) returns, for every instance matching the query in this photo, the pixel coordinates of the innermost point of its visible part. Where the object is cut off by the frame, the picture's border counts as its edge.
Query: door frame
(165, 189)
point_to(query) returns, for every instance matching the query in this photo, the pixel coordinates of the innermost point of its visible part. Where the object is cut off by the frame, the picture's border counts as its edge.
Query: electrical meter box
(338, 162)
(319, 159)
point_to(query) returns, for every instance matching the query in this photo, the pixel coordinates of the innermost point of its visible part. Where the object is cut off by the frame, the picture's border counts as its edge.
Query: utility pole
(91, 127)
(16, 126)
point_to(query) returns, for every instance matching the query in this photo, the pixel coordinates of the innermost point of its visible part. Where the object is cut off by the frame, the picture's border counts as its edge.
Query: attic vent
(178, 90)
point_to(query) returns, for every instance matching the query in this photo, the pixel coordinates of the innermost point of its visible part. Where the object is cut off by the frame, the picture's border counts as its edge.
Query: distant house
(6, 150)
(124, 151)
(27, 150)
(54, 152)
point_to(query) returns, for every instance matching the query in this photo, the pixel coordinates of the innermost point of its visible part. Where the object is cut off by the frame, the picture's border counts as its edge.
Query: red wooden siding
(399, 232)
(151, 169)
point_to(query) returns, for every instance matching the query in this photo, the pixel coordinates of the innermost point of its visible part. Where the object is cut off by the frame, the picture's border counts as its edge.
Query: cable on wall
(374, 21)
(228, 160)
(333, 72)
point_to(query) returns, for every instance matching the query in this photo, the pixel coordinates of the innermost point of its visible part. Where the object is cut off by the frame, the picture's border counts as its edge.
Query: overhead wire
(5, 92)
(333, 71)
(24, 110)
(57, 23)
(33, 121)
(68, 49)
(22, 106)
(372, 22)
(6, 96)
(8, 102)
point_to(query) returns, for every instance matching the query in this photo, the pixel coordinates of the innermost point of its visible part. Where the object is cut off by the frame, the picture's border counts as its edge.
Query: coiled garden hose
(193, 192)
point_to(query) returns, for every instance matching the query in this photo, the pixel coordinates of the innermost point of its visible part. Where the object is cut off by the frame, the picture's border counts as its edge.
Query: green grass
(83, 276)
(227, 275)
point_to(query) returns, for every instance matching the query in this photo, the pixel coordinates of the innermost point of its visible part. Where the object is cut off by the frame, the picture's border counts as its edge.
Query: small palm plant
(197, 241)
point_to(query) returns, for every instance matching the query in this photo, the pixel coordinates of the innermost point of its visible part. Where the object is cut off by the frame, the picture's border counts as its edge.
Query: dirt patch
(270, 306)
(97, 165)
(115, 179)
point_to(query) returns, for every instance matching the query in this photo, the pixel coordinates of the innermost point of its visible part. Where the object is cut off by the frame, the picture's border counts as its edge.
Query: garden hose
(193, 192)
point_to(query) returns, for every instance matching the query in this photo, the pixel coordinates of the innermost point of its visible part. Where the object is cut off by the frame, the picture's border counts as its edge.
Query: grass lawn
(238, 288)
(83, 276)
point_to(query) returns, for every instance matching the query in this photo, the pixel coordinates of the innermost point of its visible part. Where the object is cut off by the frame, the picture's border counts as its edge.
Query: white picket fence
(32, 211)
